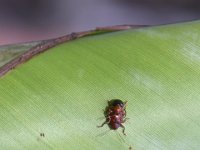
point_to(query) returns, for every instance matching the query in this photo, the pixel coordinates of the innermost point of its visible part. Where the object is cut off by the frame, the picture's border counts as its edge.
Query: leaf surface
(55, 100)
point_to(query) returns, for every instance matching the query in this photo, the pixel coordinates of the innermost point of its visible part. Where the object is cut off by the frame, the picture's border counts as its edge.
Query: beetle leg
(125, 120)
(105, 122)
(124, 108)
(106, 114)
(124, 113)
(108, 102)
(123, 131)
(109, 111)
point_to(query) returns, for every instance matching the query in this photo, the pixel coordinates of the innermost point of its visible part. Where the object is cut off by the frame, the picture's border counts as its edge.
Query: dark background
(28, 20)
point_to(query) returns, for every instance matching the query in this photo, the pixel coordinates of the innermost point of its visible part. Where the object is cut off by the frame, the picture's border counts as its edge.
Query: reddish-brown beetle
(115, 114)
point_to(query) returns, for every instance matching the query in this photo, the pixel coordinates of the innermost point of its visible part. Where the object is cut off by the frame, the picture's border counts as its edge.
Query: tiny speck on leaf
(42, 135)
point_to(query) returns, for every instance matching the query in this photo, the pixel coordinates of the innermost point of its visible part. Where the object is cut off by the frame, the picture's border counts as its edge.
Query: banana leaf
(57, 99)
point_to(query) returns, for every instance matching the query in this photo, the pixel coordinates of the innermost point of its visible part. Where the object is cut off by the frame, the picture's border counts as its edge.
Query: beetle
(115, 114)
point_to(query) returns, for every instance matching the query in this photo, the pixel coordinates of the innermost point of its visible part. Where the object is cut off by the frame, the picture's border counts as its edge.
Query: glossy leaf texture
(56, 100)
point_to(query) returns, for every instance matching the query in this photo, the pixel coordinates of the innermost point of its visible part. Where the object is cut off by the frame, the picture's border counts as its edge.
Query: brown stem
(53, 42)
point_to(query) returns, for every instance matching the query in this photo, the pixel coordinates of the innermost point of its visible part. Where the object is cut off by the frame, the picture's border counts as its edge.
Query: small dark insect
(42, 135)
(115, 114)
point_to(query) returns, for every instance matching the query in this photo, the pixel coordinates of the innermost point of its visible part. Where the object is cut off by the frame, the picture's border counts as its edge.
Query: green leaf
(8, 52)
(62, 92)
